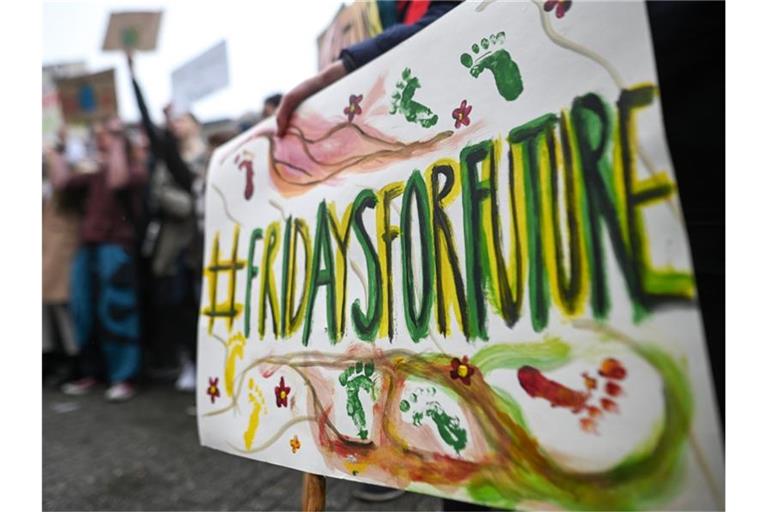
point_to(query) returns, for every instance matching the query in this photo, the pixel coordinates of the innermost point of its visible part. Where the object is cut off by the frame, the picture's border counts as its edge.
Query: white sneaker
(120, 392)
(186, 380)
(79, 387)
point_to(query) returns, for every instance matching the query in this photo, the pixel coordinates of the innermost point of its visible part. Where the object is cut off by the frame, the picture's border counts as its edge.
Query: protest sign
(51, 107)
(133, 30)
(353, 23)
(464, 272)
(203, 75)
(86, 98)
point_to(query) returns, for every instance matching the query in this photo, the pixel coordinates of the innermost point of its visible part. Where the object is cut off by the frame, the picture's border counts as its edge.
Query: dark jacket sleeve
(178, 168)
(150, 129)
(163, 144)
(362, 53)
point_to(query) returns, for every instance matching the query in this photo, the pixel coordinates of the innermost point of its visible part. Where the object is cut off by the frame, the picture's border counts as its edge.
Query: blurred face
(184, 127)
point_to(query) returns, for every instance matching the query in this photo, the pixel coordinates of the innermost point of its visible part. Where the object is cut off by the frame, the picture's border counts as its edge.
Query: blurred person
(61, 222)
(103, 294)
(220, 138)
(248, 120)
(270, 105)
(173, 240)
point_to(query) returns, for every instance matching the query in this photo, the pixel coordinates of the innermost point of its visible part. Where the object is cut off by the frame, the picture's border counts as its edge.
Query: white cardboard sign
(464, 272)
(201, 76)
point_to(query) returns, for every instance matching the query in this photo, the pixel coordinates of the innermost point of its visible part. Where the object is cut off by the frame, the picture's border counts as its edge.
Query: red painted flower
(353, 109)
(461, 369)
(281, 393)
(213, 388)
(461, 114)
(562, 6)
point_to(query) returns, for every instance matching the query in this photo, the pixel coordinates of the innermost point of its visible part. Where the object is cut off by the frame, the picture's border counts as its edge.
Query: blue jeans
(105, 311)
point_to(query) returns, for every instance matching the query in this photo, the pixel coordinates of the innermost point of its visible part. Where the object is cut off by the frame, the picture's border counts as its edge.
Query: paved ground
(145, 455)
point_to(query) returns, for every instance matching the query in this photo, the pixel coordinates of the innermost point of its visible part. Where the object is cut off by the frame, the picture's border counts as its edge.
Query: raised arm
(121, 170)
(153, 133)
(118, 173)
(177, 167)
(161, 142)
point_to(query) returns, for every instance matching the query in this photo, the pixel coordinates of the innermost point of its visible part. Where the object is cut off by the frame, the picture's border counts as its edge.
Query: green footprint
(403, 102)
(448, 427)
(355, 378)
(499, 63)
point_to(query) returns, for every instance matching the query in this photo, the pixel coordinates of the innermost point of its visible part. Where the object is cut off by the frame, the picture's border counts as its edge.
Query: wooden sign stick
(313, 496)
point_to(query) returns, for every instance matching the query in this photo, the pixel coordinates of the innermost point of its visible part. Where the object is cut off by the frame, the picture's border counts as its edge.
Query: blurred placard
(352, 24)
(88, 98)
(60, 70)
(52, 117)
(206, 73)
(135, 30)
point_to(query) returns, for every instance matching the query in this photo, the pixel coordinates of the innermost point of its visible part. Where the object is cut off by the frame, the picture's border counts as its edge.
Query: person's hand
(304, 90)
(115, 128)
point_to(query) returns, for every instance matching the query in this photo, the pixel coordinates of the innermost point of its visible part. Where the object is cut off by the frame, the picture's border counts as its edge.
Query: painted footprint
(504, 70)
(256, 398)
(235, 351)
(403, 102)
(449, 427)
(355, 378)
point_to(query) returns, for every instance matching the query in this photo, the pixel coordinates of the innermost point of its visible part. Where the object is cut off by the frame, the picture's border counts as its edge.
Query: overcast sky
(272, 46)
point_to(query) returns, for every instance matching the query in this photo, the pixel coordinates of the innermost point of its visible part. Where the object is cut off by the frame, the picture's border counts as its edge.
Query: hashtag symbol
(228, 309)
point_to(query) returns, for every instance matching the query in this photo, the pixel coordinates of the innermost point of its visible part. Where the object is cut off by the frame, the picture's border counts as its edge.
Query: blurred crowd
(123, 229)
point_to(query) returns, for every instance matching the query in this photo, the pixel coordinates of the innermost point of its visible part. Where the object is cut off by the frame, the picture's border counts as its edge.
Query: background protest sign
(52, 117)
(353, 23)
(134, 30)
(201, 76)
(464, 272)
(86, 98)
